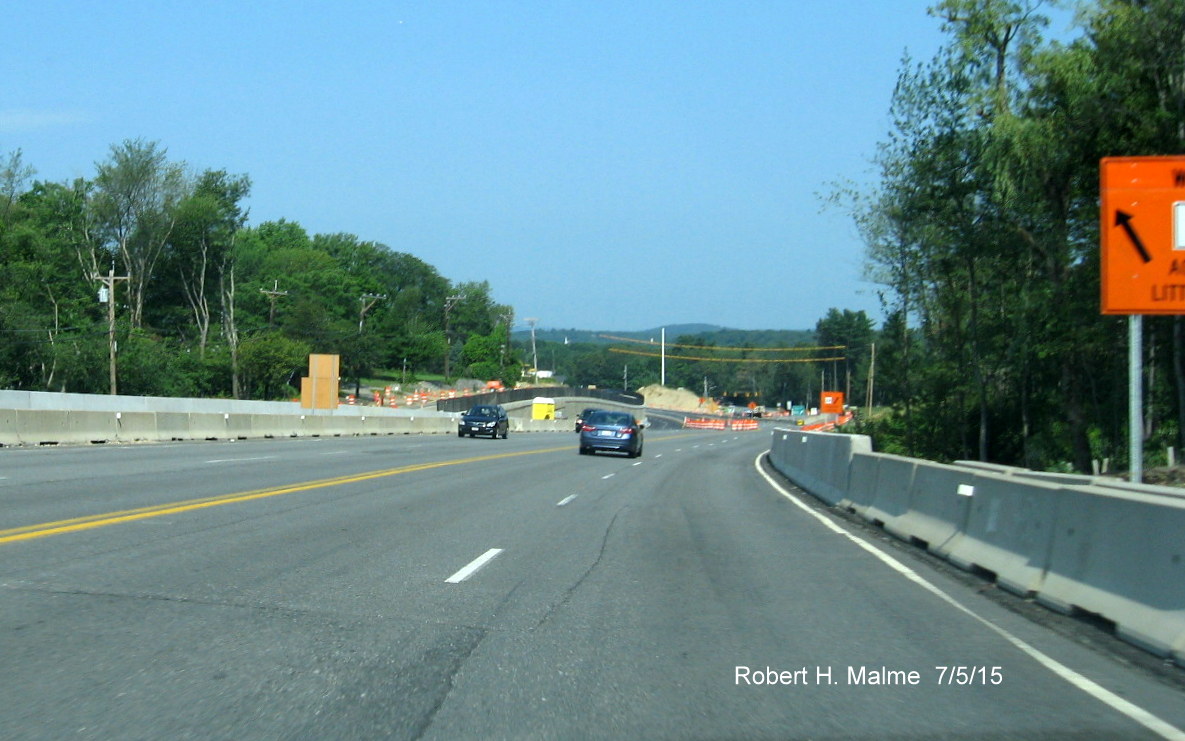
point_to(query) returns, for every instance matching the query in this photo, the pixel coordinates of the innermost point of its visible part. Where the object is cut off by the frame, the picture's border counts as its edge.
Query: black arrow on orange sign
(1123, 219)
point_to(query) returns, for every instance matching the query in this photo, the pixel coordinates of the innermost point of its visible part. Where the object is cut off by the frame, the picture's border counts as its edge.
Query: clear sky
(604, 164)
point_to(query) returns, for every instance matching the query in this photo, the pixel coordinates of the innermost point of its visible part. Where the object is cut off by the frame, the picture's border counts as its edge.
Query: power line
(726, 360)
(718, 347)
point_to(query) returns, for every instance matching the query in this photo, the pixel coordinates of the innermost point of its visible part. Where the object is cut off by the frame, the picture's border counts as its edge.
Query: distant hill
(709, 333)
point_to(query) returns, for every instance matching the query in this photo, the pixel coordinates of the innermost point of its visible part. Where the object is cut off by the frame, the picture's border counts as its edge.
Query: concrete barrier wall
(172, 426)
(1112, 551)
(861, 483)
(87, 427)
(9, 427)
(1076, 479)
(1122, 556)
(434, 426)
(49, 401)
(778, 450)
(884, 494)
(238, 426)
(546, 425)
(1009, 531)
(205, 426)
(132, 427)
(272, 425)
(939, 500)
(820, 462)
(43, 427)
(39, 418)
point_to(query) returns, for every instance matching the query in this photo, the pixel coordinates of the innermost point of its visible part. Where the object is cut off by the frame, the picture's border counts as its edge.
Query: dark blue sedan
(610, 430)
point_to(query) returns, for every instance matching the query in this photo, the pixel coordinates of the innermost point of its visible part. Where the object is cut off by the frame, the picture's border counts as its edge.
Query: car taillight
(628, 431)
(587, 428)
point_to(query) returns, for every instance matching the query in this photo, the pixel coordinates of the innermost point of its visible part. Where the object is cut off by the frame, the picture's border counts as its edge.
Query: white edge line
(1090, 687)
(565, 500)
(474, 566)
(242, 460)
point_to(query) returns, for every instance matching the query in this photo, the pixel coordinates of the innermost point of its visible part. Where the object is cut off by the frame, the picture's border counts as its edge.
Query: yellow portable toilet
(543, 408)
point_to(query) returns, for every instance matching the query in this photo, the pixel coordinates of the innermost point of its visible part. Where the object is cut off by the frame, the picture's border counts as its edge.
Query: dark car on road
(583, 416)
(484, 419)
(610, 430)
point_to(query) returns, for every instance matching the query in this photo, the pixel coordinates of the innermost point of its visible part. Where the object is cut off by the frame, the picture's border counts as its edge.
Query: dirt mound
(668, 398)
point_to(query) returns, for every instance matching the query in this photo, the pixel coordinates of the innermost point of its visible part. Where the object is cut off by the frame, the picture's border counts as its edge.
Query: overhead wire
(726, 360)
(719, 347)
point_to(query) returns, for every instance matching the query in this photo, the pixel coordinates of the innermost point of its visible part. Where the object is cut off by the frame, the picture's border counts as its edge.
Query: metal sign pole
(1135, 406)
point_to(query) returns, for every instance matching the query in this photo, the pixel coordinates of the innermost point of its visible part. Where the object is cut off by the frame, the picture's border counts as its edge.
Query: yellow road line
(41, 530)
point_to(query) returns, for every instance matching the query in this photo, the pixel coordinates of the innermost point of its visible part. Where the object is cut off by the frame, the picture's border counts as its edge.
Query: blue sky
(604, 164)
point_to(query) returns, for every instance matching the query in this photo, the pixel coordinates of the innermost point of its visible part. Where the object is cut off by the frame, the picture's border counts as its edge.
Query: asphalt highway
(441, 588)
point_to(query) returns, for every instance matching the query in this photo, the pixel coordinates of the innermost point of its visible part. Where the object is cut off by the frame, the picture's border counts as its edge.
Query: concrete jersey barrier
(1112, 551)
(1120, 555)
(49, 418)
(820, 462)
(1008, 532)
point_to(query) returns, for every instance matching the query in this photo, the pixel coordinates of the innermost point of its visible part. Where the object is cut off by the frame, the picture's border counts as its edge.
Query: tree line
(984, 233)
(205, 305)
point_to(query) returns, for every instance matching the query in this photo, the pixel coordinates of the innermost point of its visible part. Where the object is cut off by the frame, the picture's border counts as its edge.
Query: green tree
(268, 361)
(970, 231)
(14, 175)
(194, 266)
(488, 357)
(200, 244)
(45, 300)
(136, 195)
(853, 331)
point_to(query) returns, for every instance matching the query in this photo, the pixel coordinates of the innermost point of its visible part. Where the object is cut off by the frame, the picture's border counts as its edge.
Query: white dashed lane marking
(474, 566)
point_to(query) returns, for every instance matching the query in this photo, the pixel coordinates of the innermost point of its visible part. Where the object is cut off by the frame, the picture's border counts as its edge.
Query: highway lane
(45, 484)
(618, 600)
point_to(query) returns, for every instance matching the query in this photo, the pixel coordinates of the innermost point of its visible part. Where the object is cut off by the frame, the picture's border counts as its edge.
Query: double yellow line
(90, 522)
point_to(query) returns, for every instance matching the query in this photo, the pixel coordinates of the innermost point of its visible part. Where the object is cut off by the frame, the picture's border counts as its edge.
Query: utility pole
(272, 296)
(449, 303)
(662, 374)
(534, 354)
(107, 294)
(368, 301)
(871, 375)
(508, 317)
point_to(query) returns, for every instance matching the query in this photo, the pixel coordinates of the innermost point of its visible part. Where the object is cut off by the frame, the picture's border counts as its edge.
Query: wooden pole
(108, 282)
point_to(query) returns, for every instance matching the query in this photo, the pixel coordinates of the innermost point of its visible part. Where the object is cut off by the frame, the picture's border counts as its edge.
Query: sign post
(1142, 236)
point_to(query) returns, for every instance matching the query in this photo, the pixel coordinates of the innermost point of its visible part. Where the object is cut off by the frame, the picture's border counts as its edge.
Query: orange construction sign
(831, 402)
(1142, 235)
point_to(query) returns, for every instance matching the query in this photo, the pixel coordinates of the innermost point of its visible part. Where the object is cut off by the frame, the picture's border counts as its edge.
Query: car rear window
(609, 418)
